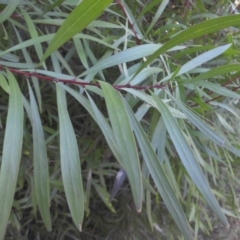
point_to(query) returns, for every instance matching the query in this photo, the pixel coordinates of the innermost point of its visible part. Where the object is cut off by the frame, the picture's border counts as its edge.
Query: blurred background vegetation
(109, 204)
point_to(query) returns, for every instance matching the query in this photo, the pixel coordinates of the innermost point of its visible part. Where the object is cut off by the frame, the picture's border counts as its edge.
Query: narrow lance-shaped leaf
(92, 109)
(34, 34)
(223, 91)
(9, 9)
(159, 177)
(4, 84)
(106, 130)
(125, 141)
(41, 175)
(11, 156)
(78, 19)
(70, 161)
(203, 58)
(193, 32)
(110, 138)
(188, 159)
(204, 128)
(127, 55)
(218, 71)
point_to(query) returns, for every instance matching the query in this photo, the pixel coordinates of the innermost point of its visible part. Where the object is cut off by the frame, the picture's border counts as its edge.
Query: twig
(80, 83)
(138, 41)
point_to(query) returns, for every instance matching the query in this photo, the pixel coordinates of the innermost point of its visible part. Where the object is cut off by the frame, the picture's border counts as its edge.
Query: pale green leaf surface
(95, 23)
(4, 84)
(81, 52)
(127, 55)
(145, 73)
(132, 20)
(9, 57)
(104, 195)
(148, 186)
(29, 43)
(83, 100)
(203, 59)
(30, 63)
(159, 177)
(217, 88)
(103, 24)
(148, 99)
(158, 14)
(34, 34)
(193, 32)
(70, 162)
(78, 19)
(148, 7)
(202, 126)
(16, 65)
(12, 148)
(95, 39)
(218, 71)
(224, 123)
(106, 130)
(226, 107)
(125, 141)
(41, 174)
(8, 10)
(188, 159)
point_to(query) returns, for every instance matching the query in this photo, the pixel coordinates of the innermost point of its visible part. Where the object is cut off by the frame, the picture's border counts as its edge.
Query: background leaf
(188, 159)
(41, 174)
(193, 32)
(81, 16)
(12, 148)
(125, 141)
(159, 176)
(70, 162)
(9, 9)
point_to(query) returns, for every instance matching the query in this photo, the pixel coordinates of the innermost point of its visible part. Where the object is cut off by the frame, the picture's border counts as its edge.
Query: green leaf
(81, 16)
(202, 126)
(28, 43)
(70, 161)
(91, 107)
(4, 84)
(106, 130)
(157, 15)
(125, 141)
(41, 174)
(34, 34)
(203, 58)
(218, 71)
(193, 32)
(159, 177)
(104, 195)
(147, 8)
(29, 62)
(127, 55)
(217, 88)
(12, 148)
(8, 10)
(188, 159)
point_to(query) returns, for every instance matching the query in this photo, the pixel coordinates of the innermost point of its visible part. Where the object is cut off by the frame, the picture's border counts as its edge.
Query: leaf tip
(139, 210)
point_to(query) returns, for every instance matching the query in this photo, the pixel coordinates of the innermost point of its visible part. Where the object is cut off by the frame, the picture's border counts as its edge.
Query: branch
(80, 83)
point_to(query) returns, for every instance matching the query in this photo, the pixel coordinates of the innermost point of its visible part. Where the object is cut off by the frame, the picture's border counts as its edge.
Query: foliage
(148, 91)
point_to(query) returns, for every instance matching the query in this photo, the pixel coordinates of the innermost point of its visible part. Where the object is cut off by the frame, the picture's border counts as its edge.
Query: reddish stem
(75, 82)
(138, 41)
